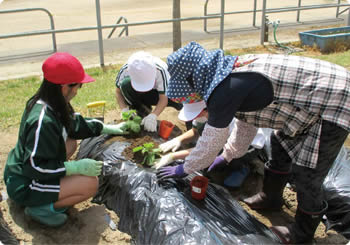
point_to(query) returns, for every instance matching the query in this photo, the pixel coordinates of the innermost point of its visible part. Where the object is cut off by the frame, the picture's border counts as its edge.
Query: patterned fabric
(239, 140)
(211, 142)
(194, 70)
(306, 91)
(162, 75)
(191, 98)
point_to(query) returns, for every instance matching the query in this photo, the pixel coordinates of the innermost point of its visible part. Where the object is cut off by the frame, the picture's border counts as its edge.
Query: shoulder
(42, 116)
(123, 72)
(160, 64)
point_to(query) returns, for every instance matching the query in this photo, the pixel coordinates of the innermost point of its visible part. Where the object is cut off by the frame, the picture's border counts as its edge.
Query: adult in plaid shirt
(304, 100)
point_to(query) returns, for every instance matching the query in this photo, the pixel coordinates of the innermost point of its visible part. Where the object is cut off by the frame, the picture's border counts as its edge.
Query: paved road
(156, 39)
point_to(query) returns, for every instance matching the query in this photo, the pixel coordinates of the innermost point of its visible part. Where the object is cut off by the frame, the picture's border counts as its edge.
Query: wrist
(153, 115)
(180, 170)
(105, 129)
(171, 157)
(71, 167)
(124, 109)
(222, 159)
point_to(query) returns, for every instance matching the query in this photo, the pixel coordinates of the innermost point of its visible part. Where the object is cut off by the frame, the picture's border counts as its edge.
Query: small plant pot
(165, 129)
(199, 185)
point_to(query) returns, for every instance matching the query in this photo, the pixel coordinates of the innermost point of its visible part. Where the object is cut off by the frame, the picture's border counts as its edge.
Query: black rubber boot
(303, 230)
(271, 196)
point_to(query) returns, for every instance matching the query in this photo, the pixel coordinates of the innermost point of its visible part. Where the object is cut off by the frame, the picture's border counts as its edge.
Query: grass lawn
(15, 93)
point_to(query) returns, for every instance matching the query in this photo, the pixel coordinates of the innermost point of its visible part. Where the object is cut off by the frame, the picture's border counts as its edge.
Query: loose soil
(139, 139)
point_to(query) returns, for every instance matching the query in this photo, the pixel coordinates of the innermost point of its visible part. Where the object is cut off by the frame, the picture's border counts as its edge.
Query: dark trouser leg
(142, 102)
(311, 204)
(276, 173)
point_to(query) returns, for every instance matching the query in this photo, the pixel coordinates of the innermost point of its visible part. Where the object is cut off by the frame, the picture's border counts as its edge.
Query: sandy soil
(87, 221)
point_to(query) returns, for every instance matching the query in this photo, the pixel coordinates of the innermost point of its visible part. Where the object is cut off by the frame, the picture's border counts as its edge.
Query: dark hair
(51, 94)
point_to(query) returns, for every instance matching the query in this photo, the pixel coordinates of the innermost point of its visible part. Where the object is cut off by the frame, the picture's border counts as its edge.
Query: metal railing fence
(264, 11)
(22, 34)
(254, 11)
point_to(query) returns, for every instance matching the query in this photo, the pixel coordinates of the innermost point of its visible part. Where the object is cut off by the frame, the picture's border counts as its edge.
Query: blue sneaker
(236, 178)
(46, 215)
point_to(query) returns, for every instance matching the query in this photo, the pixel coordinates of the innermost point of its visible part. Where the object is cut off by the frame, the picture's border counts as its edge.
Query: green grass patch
(339, 58)
(102, 89)
(15, 93)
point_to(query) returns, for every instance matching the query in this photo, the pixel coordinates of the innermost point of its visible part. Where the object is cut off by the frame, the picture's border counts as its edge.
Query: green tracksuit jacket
(36, 164)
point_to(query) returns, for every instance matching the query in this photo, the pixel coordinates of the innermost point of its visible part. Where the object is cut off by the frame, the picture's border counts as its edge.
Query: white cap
(142, 71)
(191, 110)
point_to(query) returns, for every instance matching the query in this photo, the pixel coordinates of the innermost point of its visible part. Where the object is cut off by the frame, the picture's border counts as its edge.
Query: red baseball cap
(64, 68)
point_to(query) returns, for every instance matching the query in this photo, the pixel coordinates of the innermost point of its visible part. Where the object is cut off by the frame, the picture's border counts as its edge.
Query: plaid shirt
(306, 91)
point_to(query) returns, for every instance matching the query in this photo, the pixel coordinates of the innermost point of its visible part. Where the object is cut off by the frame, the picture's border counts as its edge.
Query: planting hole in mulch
(139, 139)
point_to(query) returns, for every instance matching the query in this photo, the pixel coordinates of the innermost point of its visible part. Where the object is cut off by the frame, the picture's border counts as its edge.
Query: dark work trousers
(309, 181)
(137, 99)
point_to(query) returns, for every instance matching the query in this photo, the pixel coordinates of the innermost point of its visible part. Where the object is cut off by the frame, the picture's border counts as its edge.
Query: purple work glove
(218, 161)
(171, 172)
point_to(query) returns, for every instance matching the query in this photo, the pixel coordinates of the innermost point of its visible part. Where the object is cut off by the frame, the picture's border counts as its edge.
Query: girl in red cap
(38, 173)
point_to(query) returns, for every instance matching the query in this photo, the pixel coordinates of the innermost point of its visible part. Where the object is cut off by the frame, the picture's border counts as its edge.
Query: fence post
(263, 19)
(176, 25)
(222, 22)
(99, 32)
(254, 13)
(298, 11)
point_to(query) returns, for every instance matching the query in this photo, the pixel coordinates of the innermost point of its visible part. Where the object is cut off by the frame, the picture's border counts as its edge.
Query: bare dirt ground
(87, 221)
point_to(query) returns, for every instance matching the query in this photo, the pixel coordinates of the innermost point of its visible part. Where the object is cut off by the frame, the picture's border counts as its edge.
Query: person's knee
(125, 85)
(92, 184)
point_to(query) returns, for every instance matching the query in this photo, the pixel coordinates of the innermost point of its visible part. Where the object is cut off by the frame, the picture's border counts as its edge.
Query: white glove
(124, 110)
(172, 145)
(150, 122)
(165, 160)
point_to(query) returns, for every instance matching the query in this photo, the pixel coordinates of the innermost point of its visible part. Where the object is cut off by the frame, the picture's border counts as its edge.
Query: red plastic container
(199, 185)
(165, 129)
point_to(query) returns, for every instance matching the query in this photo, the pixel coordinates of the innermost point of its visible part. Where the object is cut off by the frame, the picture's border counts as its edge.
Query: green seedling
(132, 121)
(149, 152)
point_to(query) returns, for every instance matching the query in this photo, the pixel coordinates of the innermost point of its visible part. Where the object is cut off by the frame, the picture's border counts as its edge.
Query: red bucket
(199, 185)
(165, 129)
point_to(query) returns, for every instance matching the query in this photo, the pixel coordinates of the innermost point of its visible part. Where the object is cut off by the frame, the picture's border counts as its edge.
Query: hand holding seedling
(132, 121)
(119, 129)
(150, 153)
